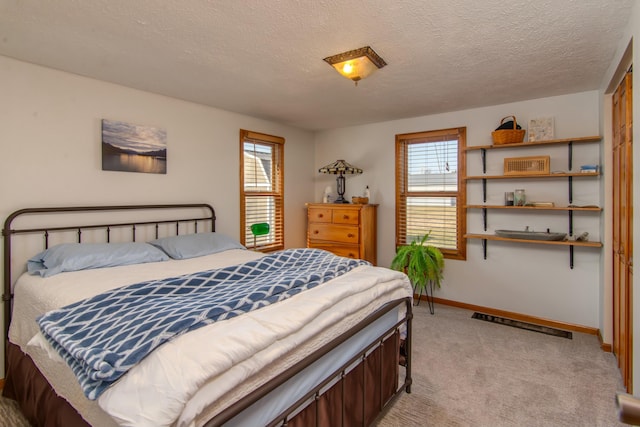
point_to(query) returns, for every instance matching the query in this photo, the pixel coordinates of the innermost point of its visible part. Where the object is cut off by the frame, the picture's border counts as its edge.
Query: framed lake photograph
(128, 147)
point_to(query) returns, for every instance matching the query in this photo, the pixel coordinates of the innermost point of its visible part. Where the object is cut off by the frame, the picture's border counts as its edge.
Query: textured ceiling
(264, 57)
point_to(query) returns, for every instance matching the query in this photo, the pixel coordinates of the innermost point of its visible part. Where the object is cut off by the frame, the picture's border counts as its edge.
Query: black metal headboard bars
(181, 214)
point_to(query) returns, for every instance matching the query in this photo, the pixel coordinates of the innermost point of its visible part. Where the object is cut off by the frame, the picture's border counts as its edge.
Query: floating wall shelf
(570, 209)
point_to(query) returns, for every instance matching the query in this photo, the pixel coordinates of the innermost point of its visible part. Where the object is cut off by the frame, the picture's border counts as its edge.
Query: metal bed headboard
(144, 212)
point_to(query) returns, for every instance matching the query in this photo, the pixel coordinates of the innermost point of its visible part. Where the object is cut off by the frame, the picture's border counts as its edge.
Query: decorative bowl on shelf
(531, 235)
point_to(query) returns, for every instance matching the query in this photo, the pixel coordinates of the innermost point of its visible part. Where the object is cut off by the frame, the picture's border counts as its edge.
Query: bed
(328, 354)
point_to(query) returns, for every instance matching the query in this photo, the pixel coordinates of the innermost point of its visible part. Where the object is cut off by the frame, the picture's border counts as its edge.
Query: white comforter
(178, 382)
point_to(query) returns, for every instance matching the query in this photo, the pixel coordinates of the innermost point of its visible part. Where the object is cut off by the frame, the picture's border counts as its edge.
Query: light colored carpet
(468, 372)
(10, 415)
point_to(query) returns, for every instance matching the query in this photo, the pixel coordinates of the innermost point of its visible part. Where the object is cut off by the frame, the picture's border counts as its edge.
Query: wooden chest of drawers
(347, 230)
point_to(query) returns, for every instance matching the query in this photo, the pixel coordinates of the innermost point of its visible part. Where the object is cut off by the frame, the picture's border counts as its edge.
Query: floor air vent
(523, 325)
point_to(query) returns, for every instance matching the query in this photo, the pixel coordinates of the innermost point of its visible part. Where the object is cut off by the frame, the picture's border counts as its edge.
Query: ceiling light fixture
(356, 64)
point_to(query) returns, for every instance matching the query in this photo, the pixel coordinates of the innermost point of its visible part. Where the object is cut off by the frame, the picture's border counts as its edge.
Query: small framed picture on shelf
(541, 129)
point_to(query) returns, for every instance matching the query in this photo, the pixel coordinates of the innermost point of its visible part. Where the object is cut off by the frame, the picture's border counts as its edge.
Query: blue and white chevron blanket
(104, 336)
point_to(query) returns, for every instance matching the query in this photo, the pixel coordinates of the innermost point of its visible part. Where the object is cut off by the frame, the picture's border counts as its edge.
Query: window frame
(403, 141)
(276, 232)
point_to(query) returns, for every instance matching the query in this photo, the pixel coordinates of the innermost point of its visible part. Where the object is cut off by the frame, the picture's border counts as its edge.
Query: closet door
(622, 228)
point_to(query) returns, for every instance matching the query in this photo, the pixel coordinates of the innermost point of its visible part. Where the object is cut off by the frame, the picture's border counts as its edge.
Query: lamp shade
(340, 167)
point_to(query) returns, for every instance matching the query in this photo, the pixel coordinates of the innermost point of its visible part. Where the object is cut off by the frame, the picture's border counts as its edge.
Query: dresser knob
(345, 217)
(315, 231)
(350, 235)
(320, 216)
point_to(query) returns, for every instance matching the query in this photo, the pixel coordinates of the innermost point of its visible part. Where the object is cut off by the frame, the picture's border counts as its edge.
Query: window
(261, 190)
(430, 189)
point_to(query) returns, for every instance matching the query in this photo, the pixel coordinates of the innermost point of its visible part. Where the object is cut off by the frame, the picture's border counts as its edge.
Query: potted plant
(423, 264)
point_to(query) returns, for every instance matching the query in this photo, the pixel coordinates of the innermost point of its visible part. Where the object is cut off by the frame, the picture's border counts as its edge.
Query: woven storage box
(535, 165)
(508, 136)
(360, 200)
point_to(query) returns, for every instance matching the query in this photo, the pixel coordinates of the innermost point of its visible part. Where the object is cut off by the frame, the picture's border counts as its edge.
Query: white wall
(51, 153)
(529, 279)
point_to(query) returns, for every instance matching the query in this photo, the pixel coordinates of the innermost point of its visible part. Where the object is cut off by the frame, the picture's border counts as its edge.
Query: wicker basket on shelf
(508, 136)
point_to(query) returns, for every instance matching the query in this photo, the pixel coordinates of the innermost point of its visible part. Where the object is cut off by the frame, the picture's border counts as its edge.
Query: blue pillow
(76, 256)
(194, 245)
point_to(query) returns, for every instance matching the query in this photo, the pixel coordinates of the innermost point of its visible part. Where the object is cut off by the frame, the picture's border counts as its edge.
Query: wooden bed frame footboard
(352, 394)
(355, 393)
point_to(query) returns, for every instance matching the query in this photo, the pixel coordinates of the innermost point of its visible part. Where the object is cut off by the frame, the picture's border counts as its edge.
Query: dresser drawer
(347, 230)
(319, 215)
(345, 216)
(334, 233)
(340, 250)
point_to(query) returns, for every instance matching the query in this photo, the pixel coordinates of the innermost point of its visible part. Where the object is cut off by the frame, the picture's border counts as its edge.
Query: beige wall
(50, 149)
(534, 279)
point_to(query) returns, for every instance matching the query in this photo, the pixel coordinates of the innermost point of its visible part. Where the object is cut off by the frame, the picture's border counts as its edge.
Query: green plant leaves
(421, 262)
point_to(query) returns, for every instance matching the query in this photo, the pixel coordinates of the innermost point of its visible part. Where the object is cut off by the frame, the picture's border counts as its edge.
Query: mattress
(191, 378)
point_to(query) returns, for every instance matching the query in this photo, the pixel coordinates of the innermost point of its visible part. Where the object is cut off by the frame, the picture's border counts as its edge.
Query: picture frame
(128, 147)
(541, 129)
